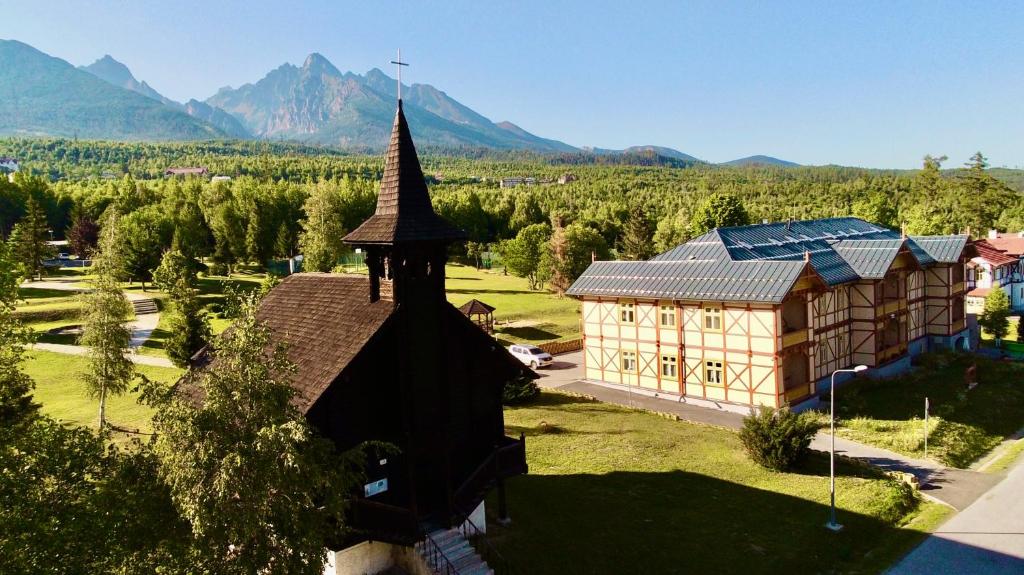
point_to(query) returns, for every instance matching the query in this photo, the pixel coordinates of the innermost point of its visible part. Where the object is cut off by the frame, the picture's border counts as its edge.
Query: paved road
(80, 350)
(985, 538)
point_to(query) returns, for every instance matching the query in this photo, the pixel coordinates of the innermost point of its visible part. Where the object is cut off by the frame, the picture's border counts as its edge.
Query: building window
(629, 361)
(668, 316)
(979, 274)
(712, 318)
(627, 313)
(713, 373)
(668, 366)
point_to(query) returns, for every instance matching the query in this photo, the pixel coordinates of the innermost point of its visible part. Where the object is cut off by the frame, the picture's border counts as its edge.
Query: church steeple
(405, 240)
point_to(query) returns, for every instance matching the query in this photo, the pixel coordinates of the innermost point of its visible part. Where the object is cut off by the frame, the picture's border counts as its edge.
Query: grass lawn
(59, 389)
(537, 316)
(963, 425)
(1007, 458)
(613, 490)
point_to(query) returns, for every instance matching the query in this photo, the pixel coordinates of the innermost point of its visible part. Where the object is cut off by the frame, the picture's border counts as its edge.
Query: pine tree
(106, 311)
(637, 236)
(16, 405)
(29, 241)
(187, 325)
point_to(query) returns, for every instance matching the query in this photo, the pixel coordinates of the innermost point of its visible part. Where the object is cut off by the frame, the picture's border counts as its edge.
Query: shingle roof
(325, 320)
(475, 306)
(761, 262)
(1012, 244)
(404, 212)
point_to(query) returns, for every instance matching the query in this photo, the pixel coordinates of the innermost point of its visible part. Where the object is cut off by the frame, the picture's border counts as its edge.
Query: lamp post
(832, 451)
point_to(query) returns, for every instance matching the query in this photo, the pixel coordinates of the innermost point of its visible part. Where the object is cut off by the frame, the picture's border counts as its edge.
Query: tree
(995, 319)
(83, 235)
(262, 492)
(187, 325)
(29, 239)
(175, 270)
(637, 236)
(876, 208)
(16, 405)
(719, 211)
(322, 231)
(522, 254)
(527, 212)
(570, 251)
(672, 231)
(106, 311)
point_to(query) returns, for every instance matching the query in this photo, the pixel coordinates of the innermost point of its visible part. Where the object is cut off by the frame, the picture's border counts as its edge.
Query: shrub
(519, 390)
(777, 439)
(894, 503)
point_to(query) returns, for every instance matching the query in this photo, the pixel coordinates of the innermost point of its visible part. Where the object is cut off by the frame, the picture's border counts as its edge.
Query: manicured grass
(538, 316)
(963, 425)
(613, 490)
(59, 389)
(1011, 335)
(1008, 458)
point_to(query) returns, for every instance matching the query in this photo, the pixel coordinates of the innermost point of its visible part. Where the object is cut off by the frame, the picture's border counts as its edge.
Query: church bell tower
(405, 241)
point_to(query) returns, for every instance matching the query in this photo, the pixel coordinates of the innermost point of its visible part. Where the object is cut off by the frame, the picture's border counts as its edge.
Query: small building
(183, 172)
(763, 314)
(566, 178)
(8, 165)
(479, 313)
(999, 262)
(513, 182)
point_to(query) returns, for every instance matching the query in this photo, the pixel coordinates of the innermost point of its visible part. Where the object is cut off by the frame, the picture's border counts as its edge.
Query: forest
(284, 199)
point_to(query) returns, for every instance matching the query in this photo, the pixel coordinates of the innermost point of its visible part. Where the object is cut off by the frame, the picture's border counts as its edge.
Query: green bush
(59, 314)
(519, 390)
(777, 439)
(895, 502)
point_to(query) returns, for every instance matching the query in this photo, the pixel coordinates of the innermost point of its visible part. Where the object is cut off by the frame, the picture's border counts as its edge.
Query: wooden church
(385, 357)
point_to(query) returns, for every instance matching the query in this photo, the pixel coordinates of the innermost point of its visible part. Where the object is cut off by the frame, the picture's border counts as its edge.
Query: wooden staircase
(448, 552)
(144, 306)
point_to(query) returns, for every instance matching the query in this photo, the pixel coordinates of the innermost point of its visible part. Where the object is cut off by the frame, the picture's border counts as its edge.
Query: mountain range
(314, 103)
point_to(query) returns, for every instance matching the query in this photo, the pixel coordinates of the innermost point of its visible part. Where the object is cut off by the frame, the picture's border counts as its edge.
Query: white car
(532, 356)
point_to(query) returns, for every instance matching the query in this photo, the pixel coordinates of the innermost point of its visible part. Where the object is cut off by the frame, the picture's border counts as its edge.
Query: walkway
(986, 538)
(81, 350)
(142, 326)
(955, 487)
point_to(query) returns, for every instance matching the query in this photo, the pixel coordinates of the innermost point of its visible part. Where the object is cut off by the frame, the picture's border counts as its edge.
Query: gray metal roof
(753, 263)
(945, 249)
(704, 280)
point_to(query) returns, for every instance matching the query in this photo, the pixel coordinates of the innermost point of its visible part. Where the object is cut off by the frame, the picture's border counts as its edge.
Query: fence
(557, 347)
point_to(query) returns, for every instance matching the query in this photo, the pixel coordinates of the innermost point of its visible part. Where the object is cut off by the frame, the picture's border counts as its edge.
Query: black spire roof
(404, 213)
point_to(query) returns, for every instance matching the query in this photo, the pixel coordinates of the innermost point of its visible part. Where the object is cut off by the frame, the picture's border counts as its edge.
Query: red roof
(1011, 244)
(979, 292)
(992, 254)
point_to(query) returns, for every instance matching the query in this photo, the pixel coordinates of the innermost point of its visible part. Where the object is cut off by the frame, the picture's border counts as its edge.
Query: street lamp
(832, 451)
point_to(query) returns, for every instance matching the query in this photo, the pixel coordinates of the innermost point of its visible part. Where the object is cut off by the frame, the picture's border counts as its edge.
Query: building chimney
(1020, 234)
(765, 221)
(789, 224)
(993, 234)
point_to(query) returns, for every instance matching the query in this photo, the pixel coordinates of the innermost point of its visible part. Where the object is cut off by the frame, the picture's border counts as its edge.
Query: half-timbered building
(764, 314)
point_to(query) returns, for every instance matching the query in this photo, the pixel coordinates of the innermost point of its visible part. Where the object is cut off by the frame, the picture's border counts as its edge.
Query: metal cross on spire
(398, 64)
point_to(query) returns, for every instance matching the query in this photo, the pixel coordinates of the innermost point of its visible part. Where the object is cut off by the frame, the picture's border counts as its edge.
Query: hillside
(760, 160)
(43, 95)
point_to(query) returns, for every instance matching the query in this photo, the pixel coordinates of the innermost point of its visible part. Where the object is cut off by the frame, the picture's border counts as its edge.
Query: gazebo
(479, 313)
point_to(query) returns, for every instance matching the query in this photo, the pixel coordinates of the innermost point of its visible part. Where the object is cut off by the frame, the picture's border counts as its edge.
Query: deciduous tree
(522, 254)
(719, 211)
(995, 319)
(322, 231)
(261, 490)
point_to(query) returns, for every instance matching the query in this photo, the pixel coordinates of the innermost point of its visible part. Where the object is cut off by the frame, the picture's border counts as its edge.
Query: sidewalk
(79, 350)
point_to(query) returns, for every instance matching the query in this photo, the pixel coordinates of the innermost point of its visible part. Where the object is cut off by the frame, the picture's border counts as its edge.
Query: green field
(59, 389)
(963, 425)
(522, 315)
(612, 490)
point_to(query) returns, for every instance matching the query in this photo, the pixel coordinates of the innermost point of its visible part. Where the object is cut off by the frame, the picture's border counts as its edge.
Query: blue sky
(855, 83)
